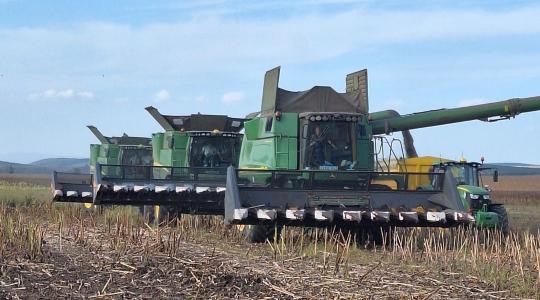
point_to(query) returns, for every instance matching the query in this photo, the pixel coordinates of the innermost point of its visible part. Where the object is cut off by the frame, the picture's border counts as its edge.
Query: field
(521, 196)
(61, 251)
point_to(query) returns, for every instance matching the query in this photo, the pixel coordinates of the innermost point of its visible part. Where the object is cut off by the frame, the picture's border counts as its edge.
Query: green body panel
(365, 150)
(270, 144)
(486, 219)
(94, 154)
(169, 149)
(109, 154)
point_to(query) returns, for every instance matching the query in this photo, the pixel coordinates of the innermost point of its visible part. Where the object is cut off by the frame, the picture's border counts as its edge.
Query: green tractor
(124, 150)
(476, 197)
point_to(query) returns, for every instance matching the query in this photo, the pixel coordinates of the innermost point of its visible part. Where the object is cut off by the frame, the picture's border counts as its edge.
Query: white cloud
(202, 45)
(162, 96)
(65, 93)
(85, 94)
(233, 97)
(54, 95)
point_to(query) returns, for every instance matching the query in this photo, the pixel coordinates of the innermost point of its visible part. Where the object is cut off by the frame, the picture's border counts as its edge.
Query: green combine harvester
(195, 150)
(307, 159)
(125, 150)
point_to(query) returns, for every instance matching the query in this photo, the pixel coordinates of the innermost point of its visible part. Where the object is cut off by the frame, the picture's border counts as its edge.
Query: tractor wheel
(260, 233)
(500, 210)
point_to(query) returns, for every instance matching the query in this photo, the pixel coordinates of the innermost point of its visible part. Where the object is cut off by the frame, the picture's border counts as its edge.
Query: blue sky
(67, 64)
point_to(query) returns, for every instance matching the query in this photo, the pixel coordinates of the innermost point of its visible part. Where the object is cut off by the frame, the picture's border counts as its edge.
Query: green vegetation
(22, 192)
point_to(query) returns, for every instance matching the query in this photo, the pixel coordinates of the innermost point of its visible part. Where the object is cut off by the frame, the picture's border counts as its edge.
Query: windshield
(465, 175)
(328, 145)
(214, 151)
(136, 157)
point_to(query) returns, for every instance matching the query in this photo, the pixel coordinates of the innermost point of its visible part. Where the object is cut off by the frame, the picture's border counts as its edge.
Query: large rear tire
(503, 225)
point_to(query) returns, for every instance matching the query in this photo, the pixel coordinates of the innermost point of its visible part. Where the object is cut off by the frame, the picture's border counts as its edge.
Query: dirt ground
(72, 267)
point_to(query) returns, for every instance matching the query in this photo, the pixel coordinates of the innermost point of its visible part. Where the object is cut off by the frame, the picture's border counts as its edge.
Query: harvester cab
(189, 170)
(127, 150)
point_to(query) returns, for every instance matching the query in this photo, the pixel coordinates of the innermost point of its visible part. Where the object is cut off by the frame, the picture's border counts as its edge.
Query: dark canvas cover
(317, 99)
(200, 122)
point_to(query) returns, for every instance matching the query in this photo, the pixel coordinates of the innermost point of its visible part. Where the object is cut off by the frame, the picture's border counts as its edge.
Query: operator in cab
(318, 143)
(210, 155)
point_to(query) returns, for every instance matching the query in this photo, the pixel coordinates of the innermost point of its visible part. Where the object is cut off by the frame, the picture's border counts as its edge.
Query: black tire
(382, 236)
(167, 215)
(500, 210)
(370, 236)
(261, 233)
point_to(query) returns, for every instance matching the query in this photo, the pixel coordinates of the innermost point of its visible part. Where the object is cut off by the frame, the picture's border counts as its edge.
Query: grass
(22, 192)
(521, 196)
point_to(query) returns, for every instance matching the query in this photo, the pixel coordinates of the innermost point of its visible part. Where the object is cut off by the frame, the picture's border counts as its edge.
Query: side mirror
(496, 176)
(305, 131)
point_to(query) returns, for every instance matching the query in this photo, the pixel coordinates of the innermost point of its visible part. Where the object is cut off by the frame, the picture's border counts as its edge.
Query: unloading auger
(126, 150)
(308, 160)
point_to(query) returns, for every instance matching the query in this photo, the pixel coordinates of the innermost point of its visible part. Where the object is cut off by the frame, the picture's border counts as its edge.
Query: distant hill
(15, 168)
(77, 165)
(515, 169)
(80, 165)
(46, 166)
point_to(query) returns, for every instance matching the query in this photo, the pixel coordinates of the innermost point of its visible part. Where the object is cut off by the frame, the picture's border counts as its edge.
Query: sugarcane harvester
(188, 174)
(308, 160)
(126, 150)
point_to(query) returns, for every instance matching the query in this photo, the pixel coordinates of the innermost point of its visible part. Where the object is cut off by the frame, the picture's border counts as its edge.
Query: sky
(68, 64)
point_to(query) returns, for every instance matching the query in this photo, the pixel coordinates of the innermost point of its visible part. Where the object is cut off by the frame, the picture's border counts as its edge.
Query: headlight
(474, 197)
(486, 197)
